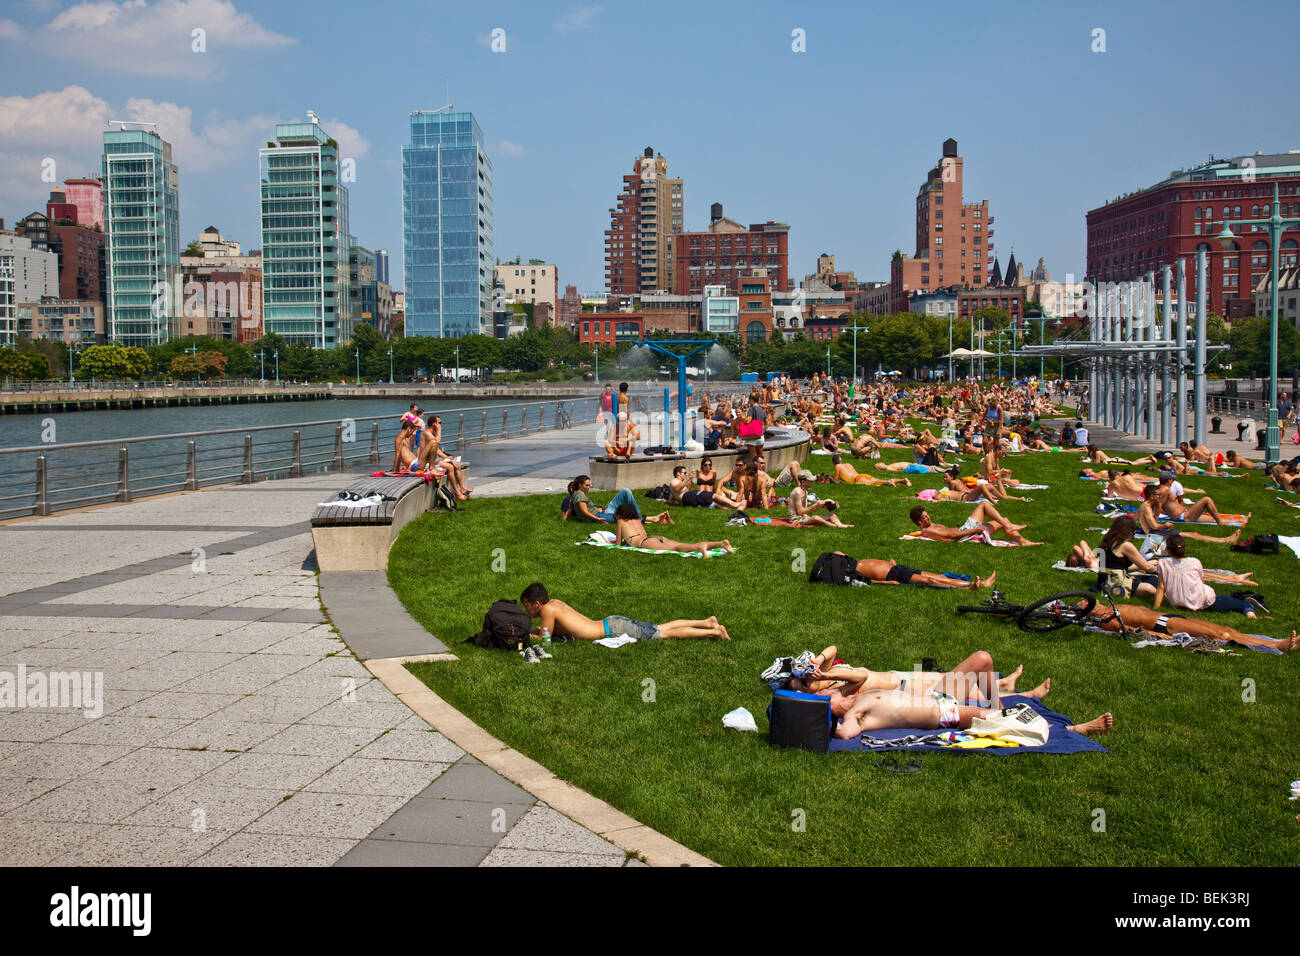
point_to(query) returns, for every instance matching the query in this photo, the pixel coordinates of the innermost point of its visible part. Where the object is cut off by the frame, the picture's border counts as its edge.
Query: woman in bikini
(632, 533)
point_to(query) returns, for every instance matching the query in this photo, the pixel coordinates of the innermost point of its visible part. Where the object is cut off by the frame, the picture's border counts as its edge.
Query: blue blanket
(1060, 740)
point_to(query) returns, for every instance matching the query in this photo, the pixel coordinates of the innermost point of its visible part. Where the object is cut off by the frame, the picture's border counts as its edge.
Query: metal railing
(43, 479)
(101, 385)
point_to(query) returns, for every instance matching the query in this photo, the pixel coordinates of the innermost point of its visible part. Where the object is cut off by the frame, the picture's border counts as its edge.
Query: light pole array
(1275, 225)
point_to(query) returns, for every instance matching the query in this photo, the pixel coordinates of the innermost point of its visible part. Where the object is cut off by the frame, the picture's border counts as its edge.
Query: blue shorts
(617, 624)
(915, 469)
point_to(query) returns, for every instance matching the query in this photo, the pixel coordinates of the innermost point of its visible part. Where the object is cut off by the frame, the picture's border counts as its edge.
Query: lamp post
(357, 352)
(828, 361)
(856, 329)
(390, 365)
(456, 374)
(194, 350)
(72, 351)
(261, 355)
(277, 368)
(595, 350)
(1276, 225)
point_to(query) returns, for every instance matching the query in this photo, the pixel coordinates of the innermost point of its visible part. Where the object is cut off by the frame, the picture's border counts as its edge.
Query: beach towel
(1059, 741)
(1231, 521)
(981, 538)
(428, 477)
(713, 552)
(943, 494)
(781, 523)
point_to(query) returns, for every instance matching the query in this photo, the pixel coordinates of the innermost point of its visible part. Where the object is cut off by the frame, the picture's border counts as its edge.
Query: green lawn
(1195, 775)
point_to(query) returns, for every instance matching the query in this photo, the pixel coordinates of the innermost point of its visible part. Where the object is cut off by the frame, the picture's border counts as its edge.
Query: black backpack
(1259, 544)
(832, 568)
(662, 493)
(506, 625)
(442, 495)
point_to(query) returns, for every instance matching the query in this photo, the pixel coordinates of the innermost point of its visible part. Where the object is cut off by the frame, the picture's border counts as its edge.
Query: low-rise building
(609, 328)
(70, 321)
(533, 283)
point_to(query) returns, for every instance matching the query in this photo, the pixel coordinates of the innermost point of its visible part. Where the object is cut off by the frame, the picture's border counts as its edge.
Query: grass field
(1196, 775)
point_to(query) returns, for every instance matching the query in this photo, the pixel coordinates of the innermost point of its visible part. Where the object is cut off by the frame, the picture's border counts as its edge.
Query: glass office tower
(447, 226)
(304, 238)
(142, 236)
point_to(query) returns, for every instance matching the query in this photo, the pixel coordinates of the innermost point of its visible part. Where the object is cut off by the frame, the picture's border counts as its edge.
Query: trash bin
(1215, 422)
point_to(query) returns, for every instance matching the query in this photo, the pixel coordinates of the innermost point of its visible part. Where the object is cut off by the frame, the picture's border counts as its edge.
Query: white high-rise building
(26, 275)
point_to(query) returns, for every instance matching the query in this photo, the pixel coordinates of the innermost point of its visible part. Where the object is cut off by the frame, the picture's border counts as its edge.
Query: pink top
(1184, 585)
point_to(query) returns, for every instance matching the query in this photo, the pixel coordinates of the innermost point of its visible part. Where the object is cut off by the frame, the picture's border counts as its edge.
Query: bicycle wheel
(1049, 615)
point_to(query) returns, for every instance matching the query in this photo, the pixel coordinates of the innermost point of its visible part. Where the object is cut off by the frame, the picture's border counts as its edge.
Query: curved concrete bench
(358, 539)
(781, 445)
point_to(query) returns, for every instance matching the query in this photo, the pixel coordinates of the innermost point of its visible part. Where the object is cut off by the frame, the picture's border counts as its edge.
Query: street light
(277, 368)
(1276, 225)
(595, 350)
(261, 355)
(390, 365)
(358, 354)
(456, 375)
(828, 361)
(72, 351)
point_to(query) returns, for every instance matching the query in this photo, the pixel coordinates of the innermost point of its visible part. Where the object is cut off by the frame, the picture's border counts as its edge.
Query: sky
(824, 116)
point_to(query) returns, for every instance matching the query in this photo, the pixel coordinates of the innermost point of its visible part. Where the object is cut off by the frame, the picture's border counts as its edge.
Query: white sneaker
(540, 651)
(529, 654)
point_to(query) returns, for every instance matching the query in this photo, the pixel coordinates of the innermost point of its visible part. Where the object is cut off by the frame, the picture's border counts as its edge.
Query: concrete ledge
(576, 804)
(782, 446)
(366, 547)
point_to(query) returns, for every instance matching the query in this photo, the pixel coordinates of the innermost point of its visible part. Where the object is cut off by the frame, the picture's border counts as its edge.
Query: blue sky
(834, 140)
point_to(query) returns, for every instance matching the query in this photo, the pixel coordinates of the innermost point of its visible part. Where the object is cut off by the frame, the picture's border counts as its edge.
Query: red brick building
(727, 252)
(956, 250)
(642, 229)
(1133, 235)
(609, 328)
(1011, 299)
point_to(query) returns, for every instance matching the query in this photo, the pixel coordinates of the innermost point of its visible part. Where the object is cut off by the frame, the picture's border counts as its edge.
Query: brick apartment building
(957, 250)
(727, 252)
(643, 225)
(1135, 234)
(609, 328)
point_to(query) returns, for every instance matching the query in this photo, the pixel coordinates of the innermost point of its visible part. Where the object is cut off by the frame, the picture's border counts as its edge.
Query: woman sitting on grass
(1183, 580)
(633, 533)
(1121, 559)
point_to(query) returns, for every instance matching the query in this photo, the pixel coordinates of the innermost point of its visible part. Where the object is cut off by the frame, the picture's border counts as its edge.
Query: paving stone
(402, 778)
(124, 730)
(123, 845)
(457, 822)
(87, 801)
(271, 771)
(361, 713)
(402, 853)
(413, 745)
(328, 815)
(218, 733)
(162, 766)
(473, 781)
(54, 759)
(263, 849)
(502, 856)
(17, 792)
(318, 740)
(541, 828)
(217, 683)
(224, 807)
(264, 709)
(169, 704)
(36, 727)
(38, 844)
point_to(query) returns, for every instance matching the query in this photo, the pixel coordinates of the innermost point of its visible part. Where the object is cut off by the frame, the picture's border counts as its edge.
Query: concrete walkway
(238, 727)
(1114, 439)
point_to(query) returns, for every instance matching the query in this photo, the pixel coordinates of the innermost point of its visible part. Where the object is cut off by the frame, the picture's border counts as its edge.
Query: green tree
(195, 248)
(114, 362)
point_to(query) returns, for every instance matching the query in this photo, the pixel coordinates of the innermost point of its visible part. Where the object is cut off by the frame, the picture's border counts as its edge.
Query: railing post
(248, 460)
(295, 469)
(374, 443)
(42, 490)
(460, 433)
(338, 447)
(191, 467)
(505, 422)
(123, 475)
(484, 435)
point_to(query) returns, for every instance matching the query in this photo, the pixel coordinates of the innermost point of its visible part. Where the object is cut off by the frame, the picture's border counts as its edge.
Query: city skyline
(832, 142)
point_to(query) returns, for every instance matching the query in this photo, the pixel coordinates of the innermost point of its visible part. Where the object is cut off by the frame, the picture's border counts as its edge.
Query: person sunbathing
(910, 467)
(1148, 521)
(1170, 504)
(975, 678)
(984, 520)
(632, 532)
(1166, 624)
(847, 473)
(404, 456)
(433, 458)
(889, 571)
(802, 513)
(1183, 580)
(579, 506)
(1197, 453)
(680, 492)
(1124, 485)
(565, 622)
(1236, 461)
(1099, 457)
(865, 446)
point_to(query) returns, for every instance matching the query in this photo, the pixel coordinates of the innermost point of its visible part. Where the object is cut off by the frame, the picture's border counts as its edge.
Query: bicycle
(1050, 613)
(563, 416)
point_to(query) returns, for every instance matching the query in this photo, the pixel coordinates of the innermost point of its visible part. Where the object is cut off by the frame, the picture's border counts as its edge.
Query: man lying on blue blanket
(866, 700)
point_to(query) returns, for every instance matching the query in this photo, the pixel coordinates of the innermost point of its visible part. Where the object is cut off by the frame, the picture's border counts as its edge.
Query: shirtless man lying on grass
(563, 621)
(847, 473)
(983, 520)
(881, 571)
(1165, 624)
(871, 700)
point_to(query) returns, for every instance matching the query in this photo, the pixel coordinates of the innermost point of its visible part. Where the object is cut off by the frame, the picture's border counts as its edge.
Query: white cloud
(152, 39)
(68, 125)
(579, 18)
(10, 30)
(507, 148)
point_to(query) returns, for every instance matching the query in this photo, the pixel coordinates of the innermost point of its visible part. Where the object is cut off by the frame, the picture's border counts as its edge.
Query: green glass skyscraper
(304, 237)
(447, 225)
(142, 242)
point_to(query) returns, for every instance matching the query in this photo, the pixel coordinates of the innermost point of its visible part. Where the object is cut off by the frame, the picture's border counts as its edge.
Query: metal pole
(855, 368)
(247, 477)
(1272, 437)
(460, 433)
(1152, 402)
(1138, 298)
(295, 469)
(483, 437)
(1198, 381)
(338, 447)
(1180, 392)
(191, 467)
(1117, 369)
(1093, 333)
(374, 443)
(123, 475)
(1168, 321)
(42, 487)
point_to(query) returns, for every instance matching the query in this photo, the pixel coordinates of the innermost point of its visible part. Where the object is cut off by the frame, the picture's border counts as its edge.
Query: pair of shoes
(540, 651)
(891, 764)
(529, 654)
